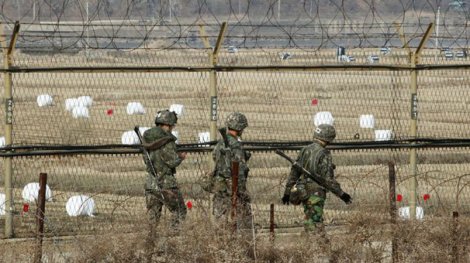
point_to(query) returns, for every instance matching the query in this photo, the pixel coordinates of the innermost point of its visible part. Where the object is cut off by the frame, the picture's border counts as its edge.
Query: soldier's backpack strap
(318, 155)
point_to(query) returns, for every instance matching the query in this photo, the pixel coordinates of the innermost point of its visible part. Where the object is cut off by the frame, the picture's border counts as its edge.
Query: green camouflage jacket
(165, 160)
(223, 164)
(317, 160)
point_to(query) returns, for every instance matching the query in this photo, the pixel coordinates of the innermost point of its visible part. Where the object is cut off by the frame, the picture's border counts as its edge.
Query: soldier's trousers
(313, 210)
(171, 198)
(223, 204)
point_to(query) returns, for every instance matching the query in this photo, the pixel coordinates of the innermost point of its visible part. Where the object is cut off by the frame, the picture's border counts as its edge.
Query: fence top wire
(103, 36)
(311, 25)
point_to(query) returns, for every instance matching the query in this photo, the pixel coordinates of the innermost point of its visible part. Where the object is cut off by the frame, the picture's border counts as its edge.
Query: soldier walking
(163, 189)
(301, 189)
(224, 155)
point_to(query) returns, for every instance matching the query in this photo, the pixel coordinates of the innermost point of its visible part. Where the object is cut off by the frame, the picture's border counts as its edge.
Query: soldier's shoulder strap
(319, 154)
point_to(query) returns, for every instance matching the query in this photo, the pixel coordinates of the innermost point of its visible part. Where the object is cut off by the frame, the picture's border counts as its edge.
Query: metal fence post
(413, 133)
(393, 208)
(213, 60)
(235, 169)
(40, 212)
(455, 237)
(272, 225)
(9, 204)
(414, 60)
(213, 81)
(213, 114)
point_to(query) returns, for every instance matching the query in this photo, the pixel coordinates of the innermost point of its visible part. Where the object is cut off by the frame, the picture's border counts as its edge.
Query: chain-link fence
(370, 108)
(82, 81)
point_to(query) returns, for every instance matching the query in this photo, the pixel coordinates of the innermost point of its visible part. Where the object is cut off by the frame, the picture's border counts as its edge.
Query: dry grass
(361, 240)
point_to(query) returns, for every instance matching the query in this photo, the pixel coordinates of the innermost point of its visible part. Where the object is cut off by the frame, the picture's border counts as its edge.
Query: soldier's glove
(285, 199)
(247, 156)
(346, 198)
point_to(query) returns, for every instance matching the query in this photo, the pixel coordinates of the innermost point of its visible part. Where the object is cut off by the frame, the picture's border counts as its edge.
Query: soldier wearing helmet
(223, 156)
(163, 189)
(236, 121)
(300, 189)
(166, 117)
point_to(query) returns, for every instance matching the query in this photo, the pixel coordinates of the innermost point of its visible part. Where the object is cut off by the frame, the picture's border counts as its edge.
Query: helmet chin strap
(322, 142)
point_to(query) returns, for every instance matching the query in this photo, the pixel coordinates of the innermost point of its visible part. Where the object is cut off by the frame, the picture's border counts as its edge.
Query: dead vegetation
(360, 240)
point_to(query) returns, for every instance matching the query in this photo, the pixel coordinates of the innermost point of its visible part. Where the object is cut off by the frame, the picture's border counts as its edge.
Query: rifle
(223, 132)
(152, 146)
(226, 150)
(318, 179)
(233, 173)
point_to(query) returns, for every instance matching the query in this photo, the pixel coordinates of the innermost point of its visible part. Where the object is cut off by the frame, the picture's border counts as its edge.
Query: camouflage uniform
(317, 160)
(165, 161)
(223, 179)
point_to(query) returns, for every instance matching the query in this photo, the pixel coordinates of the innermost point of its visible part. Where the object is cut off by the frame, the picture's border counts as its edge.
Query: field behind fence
(281, 105)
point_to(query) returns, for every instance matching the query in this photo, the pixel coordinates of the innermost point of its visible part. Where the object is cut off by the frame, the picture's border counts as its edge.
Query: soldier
(302, 189)
(163, 189)
(236, 123)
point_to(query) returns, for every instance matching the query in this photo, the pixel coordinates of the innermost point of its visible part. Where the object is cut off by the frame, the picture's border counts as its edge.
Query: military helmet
(236, 121)
(166, 117)
(325, 132)
(298, 193)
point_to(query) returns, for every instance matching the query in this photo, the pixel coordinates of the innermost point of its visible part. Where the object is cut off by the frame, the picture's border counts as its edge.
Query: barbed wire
(169, 24)
(115, 174)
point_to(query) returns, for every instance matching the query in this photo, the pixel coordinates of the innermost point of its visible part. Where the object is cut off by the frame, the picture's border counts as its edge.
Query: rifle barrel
(318, 179)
